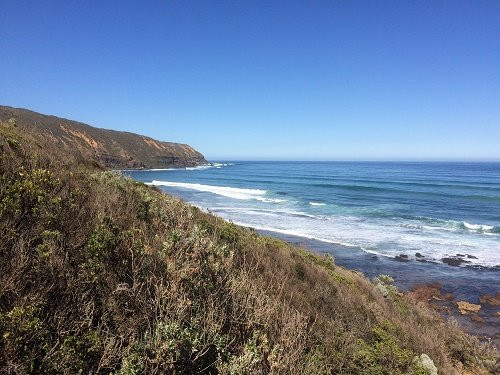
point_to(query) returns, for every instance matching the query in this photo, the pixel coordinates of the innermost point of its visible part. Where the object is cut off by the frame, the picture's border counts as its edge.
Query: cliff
(114, 149)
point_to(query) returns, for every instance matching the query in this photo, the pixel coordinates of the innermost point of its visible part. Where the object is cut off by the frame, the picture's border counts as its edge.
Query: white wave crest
(199, 167)
(270, 200)
(477, 227)
(303, 234)
(267, 212)
(209, 165)
(226, 191)
(316, 204)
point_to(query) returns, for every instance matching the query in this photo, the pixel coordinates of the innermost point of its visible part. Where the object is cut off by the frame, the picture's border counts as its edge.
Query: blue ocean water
(387, 208)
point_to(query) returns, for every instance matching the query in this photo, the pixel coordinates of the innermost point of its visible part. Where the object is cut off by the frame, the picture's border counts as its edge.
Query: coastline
(199, 166)
(439, 280)
(463, 283)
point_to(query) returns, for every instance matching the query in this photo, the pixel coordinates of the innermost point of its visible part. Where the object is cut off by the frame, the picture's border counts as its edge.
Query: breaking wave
(226, 191)
(316, 204)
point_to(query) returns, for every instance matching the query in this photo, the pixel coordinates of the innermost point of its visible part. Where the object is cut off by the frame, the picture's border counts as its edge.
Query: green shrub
(101, 274)
(384, 279)
(23, 333)
(102, 242)
(382, 355)
(254, 354)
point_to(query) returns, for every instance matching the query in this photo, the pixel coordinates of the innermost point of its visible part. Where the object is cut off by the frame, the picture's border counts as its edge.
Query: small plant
(15, 145)
(253, 354)
(382, 354)
(384, 279)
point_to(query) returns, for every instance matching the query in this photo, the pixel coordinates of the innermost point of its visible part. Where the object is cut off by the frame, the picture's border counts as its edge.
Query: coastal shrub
(327, 261)
(77, 352)
(50, 240)
(252, 359)
(228, 232)
(383, 355)
(13, 144)
(23, 334)
(384, 279)
(100, 274)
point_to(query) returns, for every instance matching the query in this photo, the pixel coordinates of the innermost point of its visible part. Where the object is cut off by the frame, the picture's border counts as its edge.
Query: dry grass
(100, 274)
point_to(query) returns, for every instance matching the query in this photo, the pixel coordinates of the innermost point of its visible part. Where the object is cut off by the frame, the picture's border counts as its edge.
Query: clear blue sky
(266, 79)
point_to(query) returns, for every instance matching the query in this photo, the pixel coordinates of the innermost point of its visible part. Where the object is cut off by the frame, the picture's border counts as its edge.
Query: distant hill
(114, 149)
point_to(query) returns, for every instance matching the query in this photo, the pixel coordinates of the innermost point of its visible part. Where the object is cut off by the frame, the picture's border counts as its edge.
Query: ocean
(418, 210)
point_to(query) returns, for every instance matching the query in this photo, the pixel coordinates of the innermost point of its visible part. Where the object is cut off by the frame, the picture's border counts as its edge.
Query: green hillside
(101, 274)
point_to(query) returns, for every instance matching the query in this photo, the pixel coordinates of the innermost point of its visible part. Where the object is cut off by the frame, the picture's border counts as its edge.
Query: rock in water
(466, 308)
(477, 319)
(490, 300)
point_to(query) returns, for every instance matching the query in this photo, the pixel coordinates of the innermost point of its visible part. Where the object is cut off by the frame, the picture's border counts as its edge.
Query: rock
(477, 319)
(435, 285)
(425, 260)
(418, 255)
(402, 258)
(426, 292)
(448, 297)
(471, 256)
(466, 308)
(460, 255)
(455, 262)
(426, 363)
(490, 300)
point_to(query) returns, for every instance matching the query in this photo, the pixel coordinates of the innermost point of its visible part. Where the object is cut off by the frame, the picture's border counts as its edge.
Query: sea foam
(230, 192)
(197, 168)
(209, 165)
(368, 234)
(478, 227)
(377, 221)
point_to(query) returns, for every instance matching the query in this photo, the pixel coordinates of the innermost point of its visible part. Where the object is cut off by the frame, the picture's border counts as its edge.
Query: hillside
(114, 149)
(100, 274)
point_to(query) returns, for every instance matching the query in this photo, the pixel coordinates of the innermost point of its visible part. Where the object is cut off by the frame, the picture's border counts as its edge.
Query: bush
(100, 274)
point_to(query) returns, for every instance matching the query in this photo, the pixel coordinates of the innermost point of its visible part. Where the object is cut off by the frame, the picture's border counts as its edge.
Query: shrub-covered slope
(114, 149)
(101, 274)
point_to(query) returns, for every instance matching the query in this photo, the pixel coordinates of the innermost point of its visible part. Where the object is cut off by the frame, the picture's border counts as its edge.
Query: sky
(266, 80)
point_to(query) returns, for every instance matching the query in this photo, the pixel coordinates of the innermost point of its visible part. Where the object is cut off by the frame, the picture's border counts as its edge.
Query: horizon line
(358, 160)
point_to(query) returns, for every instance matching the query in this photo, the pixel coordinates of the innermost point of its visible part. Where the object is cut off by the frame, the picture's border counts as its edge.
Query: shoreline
(462, 283)
(176, 168)
(457, 260)
(452, 278)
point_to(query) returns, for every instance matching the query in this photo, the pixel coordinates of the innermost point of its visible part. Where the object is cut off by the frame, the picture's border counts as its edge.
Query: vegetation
(113, 149)
(101, 274)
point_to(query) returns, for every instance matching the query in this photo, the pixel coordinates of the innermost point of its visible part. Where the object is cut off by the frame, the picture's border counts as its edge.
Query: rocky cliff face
(114, 149)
